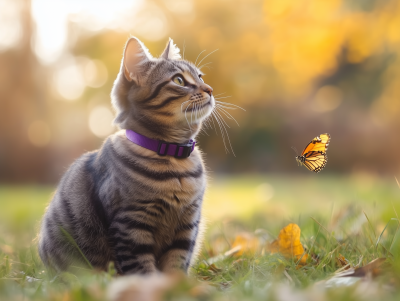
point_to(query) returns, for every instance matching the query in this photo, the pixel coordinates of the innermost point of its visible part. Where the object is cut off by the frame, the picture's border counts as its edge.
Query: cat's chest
(181, 190)
(142, 174)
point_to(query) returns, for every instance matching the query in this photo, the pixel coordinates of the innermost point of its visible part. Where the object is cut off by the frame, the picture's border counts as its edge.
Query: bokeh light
(10, 26)
(100, 121)
(327, 98)
(299, 68)
(69, 81)
(95, 73)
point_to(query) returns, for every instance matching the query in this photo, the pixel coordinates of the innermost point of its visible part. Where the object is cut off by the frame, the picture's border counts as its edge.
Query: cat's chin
(201, 112)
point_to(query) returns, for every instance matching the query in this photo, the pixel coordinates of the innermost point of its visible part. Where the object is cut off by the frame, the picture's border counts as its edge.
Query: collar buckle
(182, 151)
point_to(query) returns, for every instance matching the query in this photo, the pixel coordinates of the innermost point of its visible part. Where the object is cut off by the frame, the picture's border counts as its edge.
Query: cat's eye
(179, 81)
(201, 78)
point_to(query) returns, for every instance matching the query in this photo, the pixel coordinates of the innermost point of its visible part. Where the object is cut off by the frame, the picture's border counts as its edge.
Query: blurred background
(299, 68)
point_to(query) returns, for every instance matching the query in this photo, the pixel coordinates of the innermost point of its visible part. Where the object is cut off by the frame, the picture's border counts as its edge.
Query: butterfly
(314, 155)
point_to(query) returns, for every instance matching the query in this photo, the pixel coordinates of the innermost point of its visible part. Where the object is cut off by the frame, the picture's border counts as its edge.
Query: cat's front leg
(133, 243)
(178, 255)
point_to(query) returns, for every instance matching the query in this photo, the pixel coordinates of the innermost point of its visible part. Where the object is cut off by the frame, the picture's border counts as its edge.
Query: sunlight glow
(52, 17)
(10, 26)
(181, 7)
(151, 24)
(264, 192)
(95, 73)
(100, 121)
(51, 29)
(327, 98)
(69, 82)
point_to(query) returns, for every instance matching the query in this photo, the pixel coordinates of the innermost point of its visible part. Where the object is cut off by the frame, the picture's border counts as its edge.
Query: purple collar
(162, 148)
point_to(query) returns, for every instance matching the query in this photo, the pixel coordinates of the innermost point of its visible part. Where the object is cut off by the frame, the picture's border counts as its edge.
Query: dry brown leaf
(371, 269)
(289, 245)
(248, 244)
(341, 261)
(214, 268)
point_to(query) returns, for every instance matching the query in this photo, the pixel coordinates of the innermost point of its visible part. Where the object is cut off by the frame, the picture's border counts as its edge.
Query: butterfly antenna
(295, 150)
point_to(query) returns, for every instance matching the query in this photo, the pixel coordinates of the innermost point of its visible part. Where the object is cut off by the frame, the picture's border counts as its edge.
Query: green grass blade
(380, 236)
(370, 224)
(72, 241)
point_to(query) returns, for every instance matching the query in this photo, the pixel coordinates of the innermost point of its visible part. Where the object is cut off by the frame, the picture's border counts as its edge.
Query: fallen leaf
(342, 262)
(362, 275)
(214, 268)
(249, 244)
(374, 268)
(289, 245)
(228, 253)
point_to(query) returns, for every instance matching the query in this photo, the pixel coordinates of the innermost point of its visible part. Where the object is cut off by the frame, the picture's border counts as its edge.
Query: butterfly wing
(319, 143)
(315, 161)
(314, 155)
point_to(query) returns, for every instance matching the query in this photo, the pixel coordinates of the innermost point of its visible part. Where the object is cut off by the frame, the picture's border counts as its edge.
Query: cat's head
(163, 98)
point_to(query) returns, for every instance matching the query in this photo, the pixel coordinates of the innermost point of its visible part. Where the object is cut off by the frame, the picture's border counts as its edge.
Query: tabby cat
(128, 204)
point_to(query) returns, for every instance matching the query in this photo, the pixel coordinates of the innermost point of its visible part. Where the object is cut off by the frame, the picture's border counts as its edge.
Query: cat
(125, 203)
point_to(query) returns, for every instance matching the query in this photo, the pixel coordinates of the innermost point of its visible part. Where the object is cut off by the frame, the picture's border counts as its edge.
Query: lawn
(345, 222)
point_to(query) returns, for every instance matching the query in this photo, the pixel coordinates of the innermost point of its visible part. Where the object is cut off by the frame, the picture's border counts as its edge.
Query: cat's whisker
(206, 56)
(141, 117)
(205, 126)
(184, 103)
(223, 120)
(212, 119)
(229, 116)
(183, 52)
(204, 65)
(209, 67)
(220, 128)
(187, 119)
(224, 133)
(219, 94)
(198, 57)
(226, 107)
(208, 122)
(229, 104)
(205, 132)
(228, 96)
(191, 113)
(187, 107)
(196, 111)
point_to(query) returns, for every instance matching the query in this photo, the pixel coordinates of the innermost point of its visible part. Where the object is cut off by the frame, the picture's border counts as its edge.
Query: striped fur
(124, 203)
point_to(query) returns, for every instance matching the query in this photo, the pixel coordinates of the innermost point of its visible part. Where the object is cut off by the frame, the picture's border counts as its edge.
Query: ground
(345, 222)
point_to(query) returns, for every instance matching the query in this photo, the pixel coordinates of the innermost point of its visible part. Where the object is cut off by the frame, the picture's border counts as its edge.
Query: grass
(356, 217)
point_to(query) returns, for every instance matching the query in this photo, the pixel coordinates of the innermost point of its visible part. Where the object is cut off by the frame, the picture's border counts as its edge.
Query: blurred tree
(299, 68)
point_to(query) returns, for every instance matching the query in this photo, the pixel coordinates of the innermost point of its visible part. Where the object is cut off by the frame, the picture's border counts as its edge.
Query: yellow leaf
(248, 244)
(289, 245)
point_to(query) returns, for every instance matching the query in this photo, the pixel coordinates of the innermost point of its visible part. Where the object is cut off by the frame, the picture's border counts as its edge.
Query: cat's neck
(171, 134)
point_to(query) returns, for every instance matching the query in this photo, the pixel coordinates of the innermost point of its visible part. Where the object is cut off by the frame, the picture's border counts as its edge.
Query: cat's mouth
(198, 109)
(197, 106)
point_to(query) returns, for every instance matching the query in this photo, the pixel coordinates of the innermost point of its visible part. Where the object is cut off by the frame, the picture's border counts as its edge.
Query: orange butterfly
(314, 155)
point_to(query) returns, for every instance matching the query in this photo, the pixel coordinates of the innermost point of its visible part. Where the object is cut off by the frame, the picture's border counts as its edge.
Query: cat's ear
(135, 56)
(171, 52)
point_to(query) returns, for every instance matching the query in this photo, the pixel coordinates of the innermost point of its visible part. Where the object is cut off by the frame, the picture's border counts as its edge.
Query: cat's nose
(207, 89)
